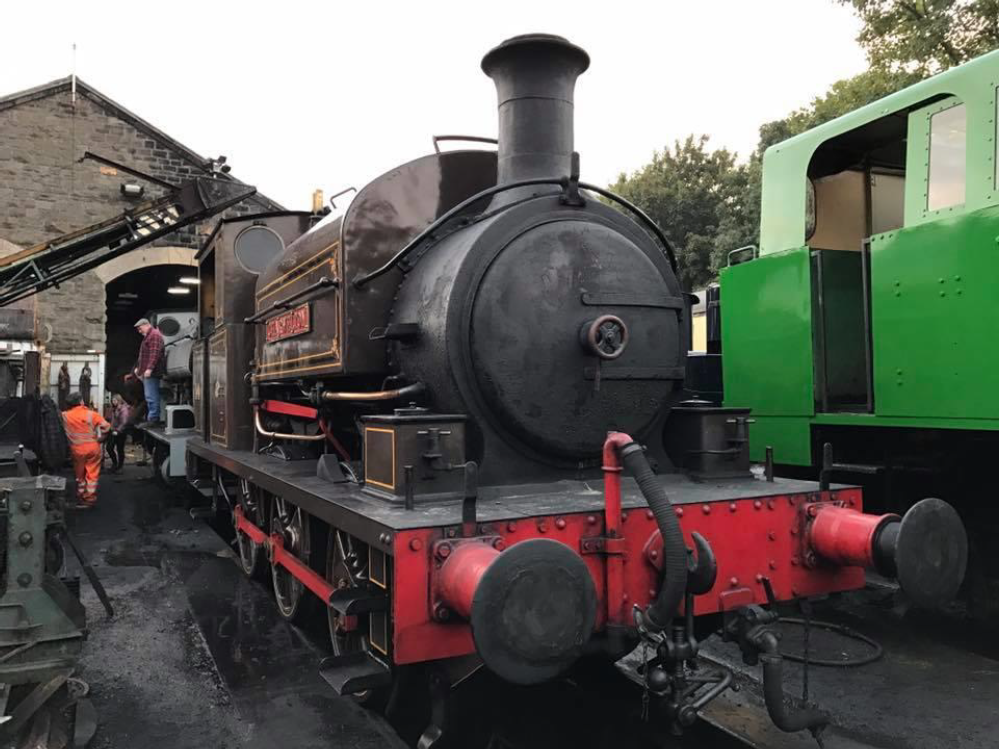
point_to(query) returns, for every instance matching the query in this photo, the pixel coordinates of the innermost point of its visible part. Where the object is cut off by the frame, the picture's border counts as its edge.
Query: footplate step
(354, 672)
(352, 601)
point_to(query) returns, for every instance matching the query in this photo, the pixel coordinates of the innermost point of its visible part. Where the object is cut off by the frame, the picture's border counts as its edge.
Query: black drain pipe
(789, 720)
(662, 610)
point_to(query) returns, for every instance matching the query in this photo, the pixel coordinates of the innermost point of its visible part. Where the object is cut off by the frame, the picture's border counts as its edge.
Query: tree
(709, 204)
(926, 36)
(698, 196)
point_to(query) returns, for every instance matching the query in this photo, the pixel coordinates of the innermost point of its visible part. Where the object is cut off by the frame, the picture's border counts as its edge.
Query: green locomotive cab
(869, 317)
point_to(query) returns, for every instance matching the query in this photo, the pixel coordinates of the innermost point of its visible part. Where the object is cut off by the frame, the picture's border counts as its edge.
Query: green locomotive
(869, 316)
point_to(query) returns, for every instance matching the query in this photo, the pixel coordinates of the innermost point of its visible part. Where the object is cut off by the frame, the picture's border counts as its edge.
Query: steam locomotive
(454, 418)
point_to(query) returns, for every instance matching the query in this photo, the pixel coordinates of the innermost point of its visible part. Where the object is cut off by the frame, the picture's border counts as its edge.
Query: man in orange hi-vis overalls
(84, 429)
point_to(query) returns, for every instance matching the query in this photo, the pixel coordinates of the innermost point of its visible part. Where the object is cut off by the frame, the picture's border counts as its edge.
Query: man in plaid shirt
(150, 367)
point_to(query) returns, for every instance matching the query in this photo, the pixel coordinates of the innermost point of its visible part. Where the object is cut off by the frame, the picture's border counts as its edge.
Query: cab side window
(948, 158)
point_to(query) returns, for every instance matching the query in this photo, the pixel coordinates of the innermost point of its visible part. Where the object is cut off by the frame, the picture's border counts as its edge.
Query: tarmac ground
(196, 654)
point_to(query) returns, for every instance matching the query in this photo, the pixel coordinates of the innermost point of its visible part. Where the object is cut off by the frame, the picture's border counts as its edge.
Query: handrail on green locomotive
(454, 416)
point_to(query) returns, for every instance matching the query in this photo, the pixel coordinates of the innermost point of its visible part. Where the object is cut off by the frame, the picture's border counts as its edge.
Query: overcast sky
(305, 95)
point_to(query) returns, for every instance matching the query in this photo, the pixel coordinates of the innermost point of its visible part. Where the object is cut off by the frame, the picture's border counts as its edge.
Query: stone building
(47, 189)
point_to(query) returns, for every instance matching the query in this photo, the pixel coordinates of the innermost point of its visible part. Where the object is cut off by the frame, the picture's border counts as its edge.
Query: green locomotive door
(841, 331)
(849, 206)
(935, 284)
(936, 343)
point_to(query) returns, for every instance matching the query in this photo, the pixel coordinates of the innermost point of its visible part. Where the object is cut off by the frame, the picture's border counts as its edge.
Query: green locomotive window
(948, 147)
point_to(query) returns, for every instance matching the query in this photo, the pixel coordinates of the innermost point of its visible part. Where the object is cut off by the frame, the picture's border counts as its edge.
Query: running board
(354, 672)
(353, 601)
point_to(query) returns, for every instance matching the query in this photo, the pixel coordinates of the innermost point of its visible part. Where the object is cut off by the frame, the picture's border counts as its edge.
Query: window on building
(948, 139)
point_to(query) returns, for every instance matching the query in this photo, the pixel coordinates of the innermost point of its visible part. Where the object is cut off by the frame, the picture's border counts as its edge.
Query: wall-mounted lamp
(132, 190)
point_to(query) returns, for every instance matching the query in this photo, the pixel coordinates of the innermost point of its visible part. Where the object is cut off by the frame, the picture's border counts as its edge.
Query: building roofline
(83, 88)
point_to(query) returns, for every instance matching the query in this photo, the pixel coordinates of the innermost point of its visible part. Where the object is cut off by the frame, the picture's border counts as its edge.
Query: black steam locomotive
(454, 418)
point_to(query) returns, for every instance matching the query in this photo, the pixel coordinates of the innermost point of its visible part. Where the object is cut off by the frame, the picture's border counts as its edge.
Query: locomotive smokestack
(535, 75)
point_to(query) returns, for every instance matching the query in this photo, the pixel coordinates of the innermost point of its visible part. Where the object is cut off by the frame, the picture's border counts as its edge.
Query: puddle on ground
(129, 555)
(270, 667)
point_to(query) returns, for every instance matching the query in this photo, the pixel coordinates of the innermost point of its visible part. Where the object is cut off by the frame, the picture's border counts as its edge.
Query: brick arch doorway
(144, 258)
(135, 286)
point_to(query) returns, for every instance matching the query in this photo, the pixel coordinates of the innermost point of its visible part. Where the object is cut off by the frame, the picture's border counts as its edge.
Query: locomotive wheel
(164, 471)
(347, 567)
(251, 556)
(160, 457)
(292, 525)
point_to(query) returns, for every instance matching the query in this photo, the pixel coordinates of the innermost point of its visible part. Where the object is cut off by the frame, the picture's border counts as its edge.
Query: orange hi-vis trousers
(83, 427)
(87, 467)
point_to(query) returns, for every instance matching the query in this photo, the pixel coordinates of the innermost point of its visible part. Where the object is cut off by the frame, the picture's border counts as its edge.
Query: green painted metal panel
(789, 436)
(767, 334)
(935, 292)
(908, 422)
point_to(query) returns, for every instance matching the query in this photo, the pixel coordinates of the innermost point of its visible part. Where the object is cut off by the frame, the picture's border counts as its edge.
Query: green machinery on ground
(42, 622)
(869, 316)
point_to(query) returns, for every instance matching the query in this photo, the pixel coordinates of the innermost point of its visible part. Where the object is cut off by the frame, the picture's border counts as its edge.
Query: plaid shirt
(151, 356)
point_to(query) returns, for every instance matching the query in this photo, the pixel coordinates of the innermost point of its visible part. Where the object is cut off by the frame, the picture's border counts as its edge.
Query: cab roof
(786, 165)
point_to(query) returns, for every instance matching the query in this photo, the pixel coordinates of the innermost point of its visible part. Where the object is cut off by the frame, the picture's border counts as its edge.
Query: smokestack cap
(538, 43)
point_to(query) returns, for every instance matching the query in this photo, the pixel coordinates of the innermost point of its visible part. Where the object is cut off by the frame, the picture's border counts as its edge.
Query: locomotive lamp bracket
(470, 485)
(570, 185)
(602, 545)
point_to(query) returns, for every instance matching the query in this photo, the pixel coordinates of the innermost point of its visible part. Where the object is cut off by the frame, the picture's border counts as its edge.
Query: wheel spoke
(290, 522)
(344, 557)
(250, 553)
(347, 634)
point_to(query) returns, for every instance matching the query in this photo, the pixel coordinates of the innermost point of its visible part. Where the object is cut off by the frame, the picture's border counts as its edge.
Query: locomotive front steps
(354, 672)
